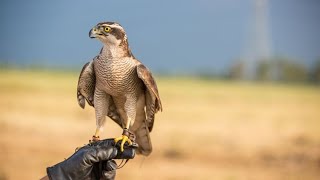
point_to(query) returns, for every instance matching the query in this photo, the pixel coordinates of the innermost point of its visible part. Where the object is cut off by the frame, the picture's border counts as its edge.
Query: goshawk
(119, 86)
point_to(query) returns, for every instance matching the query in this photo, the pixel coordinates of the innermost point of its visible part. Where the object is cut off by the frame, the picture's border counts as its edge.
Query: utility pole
(259, 49)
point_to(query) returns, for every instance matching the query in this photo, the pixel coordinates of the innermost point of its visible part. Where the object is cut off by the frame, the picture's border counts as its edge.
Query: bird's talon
(123, 140)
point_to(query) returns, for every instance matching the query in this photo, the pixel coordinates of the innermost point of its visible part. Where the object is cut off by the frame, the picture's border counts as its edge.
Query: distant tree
(315, 72)
(237, 70)
(275, 69)
(288, 70)
(263, 71)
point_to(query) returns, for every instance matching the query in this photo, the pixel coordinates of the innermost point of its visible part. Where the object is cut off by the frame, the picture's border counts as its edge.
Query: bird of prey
(119, 86)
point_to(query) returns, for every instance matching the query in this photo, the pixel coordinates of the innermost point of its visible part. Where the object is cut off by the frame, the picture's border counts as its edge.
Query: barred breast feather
(86, 88)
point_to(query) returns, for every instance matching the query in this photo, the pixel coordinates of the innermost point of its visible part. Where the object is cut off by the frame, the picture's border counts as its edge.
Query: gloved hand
(93, 161)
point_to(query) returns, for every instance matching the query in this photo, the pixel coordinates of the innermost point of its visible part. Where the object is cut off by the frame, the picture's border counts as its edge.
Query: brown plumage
(120, 87)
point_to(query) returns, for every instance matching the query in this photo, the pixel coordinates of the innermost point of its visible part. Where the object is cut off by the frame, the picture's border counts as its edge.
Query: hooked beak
(94, 33)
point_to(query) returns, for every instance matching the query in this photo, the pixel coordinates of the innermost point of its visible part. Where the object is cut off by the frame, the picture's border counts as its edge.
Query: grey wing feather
(153, 102)
(86, 85)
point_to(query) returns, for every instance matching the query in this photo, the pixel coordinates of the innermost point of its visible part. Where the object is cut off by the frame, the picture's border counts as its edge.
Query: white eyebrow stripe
(115, 26)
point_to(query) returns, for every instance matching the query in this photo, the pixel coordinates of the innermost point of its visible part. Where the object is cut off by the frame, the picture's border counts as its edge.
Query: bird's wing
(153, 102)
(86, 85)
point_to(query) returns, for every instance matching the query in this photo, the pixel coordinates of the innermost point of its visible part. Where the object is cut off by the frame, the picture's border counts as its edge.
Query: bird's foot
(124, 138)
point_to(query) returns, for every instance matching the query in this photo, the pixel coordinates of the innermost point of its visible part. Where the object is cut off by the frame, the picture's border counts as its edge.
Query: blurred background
(239, 83)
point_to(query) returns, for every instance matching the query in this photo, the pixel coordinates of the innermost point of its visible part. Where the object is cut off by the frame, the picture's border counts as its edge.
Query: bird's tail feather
(143, 140)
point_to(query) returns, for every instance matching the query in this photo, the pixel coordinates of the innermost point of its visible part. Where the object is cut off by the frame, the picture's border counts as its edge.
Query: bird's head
(109, 33)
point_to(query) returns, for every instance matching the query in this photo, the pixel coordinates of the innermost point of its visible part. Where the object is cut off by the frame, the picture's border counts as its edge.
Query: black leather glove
(93, 161)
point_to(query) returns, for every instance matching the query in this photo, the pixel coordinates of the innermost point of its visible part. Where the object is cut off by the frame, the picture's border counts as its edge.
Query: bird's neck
(112, 51)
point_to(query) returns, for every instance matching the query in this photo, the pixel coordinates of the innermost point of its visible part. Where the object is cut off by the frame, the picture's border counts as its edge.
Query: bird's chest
(116, 77)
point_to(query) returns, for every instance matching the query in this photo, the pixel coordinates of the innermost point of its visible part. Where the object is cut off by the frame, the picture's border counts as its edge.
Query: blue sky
(165, 35)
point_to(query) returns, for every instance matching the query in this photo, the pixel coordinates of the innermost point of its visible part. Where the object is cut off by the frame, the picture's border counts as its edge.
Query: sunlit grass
(209, 129)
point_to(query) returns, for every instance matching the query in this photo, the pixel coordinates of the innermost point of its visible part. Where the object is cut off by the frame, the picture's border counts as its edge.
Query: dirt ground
(209, 129)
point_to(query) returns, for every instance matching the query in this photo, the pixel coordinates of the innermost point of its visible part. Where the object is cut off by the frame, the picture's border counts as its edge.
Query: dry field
(208, 129)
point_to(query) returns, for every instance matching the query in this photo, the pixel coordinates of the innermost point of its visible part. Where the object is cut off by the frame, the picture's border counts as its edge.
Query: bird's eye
(107, 29)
